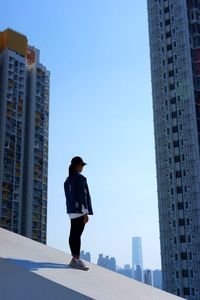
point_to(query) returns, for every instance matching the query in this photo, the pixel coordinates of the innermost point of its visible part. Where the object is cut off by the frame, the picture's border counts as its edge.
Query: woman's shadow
(34, 266)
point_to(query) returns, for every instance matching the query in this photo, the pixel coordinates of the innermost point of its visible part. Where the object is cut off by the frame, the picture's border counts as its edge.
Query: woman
(79, 206)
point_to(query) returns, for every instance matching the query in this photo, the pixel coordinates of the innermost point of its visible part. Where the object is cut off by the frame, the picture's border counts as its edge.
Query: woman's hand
(86, 219)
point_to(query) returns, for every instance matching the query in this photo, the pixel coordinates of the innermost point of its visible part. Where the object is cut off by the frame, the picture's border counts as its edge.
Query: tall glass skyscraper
(137, 259)
(174, 35)
(24, 115)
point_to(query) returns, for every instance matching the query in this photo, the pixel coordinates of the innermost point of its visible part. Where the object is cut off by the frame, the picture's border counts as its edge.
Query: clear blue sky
(101, 109)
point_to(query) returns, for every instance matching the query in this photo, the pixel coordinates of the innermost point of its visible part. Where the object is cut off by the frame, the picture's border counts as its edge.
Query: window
(186, 291)
(178, 174)
(185, 273)
(179, 189)
(174, 114)
(171, 73)
(180, 205)
(176, 144)
(170, 60)
(167, 22)
(168, 34)
(169, 47)
(175, 129)
(166, 10)
(183, 239)
(184, 255)
(173, 100)
(171, 86)
(177, 158)
(181, 222)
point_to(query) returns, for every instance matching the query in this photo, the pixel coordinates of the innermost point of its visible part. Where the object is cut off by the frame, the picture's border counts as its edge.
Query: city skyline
(137, 258)
(174, 36)
(24, 111)
(101, 109)
(150, 277)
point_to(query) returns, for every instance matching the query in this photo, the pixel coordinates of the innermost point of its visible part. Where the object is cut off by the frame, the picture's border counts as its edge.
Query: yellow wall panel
(10, 39)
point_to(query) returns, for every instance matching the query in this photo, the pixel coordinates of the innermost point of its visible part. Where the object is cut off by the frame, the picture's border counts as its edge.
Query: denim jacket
(77, 194)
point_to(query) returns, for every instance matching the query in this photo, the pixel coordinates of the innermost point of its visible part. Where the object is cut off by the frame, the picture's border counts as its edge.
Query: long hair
(72, 170)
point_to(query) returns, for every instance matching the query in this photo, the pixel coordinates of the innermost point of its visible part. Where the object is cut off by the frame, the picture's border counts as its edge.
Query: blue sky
(101, 109)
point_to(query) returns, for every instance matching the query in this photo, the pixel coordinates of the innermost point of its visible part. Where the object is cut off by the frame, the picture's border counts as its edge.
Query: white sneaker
(78, 264)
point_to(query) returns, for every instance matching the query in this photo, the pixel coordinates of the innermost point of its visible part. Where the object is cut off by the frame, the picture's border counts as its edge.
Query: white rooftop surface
(30, 270)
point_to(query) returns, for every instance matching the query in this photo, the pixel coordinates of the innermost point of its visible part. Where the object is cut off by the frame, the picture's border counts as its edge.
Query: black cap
(77, 160)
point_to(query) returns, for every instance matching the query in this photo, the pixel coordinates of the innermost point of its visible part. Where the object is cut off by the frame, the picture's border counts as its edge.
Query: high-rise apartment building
(24, 114)
(137, 259)
(174, 34)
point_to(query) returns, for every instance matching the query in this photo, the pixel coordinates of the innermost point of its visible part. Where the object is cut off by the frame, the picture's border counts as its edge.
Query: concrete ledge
(30, 270)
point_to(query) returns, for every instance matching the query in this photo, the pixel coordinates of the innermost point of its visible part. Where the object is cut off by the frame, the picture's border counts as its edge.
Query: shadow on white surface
(34, 266)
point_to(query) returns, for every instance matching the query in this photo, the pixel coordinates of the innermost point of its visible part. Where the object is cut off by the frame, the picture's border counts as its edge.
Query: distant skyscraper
(126, 271)
(24, 114)
(138, 273)
(106, 262)
(112, 264)
(148, 277)
(137, 259)
(157, 279)
(85, 255)
(174, 33)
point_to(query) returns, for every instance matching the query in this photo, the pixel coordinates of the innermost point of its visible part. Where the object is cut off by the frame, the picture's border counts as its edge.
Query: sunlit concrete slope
(30, 270)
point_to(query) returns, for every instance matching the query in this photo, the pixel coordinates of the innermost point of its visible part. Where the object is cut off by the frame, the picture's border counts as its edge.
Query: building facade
(107, 262)
(85, 255)
(174, 35)
(126, 271)
(148, 277)
(157, 279)
(24, 115)
(137, 258)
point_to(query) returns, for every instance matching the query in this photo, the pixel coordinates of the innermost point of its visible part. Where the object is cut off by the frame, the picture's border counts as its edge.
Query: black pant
(77, 227)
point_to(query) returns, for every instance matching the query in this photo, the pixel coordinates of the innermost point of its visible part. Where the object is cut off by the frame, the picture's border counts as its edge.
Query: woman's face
(79, 168)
